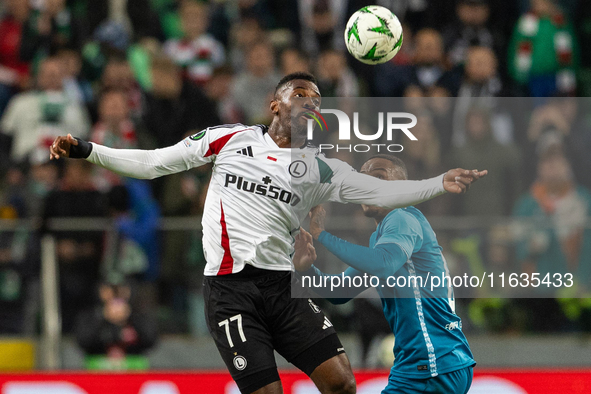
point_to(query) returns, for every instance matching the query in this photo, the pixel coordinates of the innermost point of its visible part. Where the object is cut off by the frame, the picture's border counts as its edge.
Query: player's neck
(282, 136)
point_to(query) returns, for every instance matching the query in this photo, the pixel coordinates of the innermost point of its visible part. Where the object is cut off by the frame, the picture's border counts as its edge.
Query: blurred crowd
(146, 73)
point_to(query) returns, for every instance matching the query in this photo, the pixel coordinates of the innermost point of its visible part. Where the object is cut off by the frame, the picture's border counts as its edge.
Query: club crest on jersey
(239, 363)
(198, 136)
(298, 169)
(265, 189)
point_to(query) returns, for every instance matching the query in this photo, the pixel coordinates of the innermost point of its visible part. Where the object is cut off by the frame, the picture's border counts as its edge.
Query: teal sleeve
(382, 261)
(403, 229)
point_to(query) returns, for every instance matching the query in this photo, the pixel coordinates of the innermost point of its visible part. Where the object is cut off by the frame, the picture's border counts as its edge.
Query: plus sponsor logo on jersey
(265, 189)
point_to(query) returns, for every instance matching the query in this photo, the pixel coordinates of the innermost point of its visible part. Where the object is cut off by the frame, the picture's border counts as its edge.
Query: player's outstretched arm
(381, 261)
(364, 189)
(304, 257)
(134, 163)
(68, 146)
(459, 180)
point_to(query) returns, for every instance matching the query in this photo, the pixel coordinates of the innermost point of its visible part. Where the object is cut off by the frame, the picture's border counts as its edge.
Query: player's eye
(299, 95)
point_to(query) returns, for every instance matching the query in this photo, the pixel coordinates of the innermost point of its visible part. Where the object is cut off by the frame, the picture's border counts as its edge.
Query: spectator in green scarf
(543, 53)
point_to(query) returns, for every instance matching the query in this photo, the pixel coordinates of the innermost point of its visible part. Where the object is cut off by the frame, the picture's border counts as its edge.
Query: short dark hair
(297, 75)
(394, 160)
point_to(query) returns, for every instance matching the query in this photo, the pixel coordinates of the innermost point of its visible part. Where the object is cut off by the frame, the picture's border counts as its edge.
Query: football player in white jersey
(264, 181)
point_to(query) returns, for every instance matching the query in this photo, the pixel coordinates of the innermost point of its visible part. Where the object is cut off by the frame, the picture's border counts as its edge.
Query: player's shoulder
(328, 168)
(408, 217)
(215, 132)
(213, 140)
(414, 212)
(230, 127)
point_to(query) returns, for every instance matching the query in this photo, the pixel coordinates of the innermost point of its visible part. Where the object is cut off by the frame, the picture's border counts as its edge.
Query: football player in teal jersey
(431, 352)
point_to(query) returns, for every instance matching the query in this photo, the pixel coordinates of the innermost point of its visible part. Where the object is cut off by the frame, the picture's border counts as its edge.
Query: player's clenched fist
(68, 146)
(459, 180)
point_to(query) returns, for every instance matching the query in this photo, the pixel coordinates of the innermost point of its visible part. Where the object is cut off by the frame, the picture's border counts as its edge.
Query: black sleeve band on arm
(80, 151)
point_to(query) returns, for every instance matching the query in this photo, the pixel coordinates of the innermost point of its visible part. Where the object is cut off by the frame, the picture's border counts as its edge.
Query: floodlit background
(99, 272)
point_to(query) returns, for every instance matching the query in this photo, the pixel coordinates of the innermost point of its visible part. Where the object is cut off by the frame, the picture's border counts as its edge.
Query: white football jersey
(260, 192)
(253, 205)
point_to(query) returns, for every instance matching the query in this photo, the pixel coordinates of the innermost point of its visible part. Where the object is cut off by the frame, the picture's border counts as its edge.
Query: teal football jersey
(429, 337)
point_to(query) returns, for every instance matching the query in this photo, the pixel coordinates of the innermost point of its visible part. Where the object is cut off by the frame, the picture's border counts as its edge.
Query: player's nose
(309, 104)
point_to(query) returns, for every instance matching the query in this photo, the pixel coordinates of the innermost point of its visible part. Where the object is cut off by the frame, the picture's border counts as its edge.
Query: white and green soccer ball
(373, 35)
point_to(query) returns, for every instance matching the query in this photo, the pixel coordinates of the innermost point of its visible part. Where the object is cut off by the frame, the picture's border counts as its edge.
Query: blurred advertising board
(506, 381)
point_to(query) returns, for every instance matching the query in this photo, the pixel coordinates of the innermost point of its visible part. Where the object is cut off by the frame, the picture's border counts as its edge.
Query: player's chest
(253, 159)
(259, 158)
(253, 170)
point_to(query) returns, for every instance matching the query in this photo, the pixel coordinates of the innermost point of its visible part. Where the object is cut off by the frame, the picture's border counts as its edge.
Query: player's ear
(274, 106)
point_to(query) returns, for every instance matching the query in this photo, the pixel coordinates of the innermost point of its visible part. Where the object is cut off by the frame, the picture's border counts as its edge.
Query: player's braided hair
(297, 75)
(394, 160)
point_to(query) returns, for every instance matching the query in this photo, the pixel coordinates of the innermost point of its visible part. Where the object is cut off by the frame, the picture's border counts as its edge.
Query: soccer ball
(373, 35)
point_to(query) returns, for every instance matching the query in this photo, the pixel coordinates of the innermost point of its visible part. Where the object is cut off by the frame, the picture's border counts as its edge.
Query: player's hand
(459, 180)
(317, 220)
(61, 147)
(305, 253)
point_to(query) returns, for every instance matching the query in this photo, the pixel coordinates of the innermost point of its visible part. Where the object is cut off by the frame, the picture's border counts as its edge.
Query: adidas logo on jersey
(327, 323)
(245, 151)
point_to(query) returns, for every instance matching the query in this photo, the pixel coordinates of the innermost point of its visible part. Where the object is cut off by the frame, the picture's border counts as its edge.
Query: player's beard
(299, 128)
